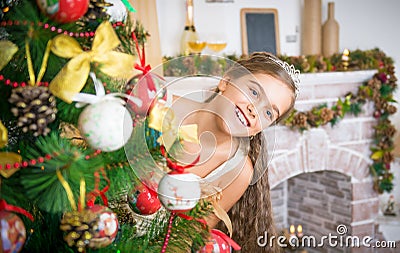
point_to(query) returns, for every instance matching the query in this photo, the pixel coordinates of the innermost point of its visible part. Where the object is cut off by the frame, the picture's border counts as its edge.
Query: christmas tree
(67, 182)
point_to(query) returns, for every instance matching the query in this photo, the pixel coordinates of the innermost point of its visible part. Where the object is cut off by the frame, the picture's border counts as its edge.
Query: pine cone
(97, 11)
(35, 108)
(389, 131)
(383, 145)
(79, 227)
(374, 83)
(326, 115)
(312, 118)
(320, 64)
(189, 64)
(300, 120)
(363, 92)
(391, 109)
(124, 214)
(381, 104)
(388, 157)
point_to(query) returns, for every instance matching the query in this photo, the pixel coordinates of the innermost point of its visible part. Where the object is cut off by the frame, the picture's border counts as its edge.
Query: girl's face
(251, 103)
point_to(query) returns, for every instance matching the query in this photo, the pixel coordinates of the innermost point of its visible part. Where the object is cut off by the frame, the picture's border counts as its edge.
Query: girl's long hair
(252, 215)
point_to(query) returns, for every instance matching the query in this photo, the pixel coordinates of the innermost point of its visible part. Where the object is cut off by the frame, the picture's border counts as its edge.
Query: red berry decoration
(63, 11)
(377, 114)
(144, 201)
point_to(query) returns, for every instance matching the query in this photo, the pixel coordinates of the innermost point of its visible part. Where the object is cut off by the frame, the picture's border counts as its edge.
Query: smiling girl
(254, 94)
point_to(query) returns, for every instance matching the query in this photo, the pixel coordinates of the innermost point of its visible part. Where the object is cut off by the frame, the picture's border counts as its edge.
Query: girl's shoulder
(238, 165)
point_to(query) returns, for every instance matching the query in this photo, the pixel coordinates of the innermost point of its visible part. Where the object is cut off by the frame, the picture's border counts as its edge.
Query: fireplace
(320, 178)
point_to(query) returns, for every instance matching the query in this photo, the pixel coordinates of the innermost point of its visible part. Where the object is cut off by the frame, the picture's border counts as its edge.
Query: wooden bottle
(311, 32)
(330, 33)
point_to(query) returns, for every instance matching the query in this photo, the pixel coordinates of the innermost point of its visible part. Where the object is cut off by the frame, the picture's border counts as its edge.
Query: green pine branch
(40, 181)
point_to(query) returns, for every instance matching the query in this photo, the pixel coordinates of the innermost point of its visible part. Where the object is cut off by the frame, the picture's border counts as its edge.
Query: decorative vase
(311, 32)
(330, 33)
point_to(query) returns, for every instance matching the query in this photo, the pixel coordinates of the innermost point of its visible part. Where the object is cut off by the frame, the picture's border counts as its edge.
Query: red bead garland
(40, 159)
(23, 84)
(168, 235)
(17, 84)
(98, 151)
(55, 29)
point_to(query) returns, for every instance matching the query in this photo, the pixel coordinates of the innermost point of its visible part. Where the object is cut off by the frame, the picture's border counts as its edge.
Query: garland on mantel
(379, 90)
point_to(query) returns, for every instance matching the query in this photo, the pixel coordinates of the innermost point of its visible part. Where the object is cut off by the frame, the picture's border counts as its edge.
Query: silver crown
(292, 71)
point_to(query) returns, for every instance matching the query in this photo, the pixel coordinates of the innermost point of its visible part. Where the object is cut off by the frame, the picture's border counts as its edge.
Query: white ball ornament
(179, 192)
(106, 125)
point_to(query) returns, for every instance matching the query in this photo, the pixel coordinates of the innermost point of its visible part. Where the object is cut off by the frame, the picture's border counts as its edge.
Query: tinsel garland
(379, 90)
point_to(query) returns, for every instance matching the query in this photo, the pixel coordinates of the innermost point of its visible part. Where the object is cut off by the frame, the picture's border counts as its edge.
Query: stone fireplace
(320, 178)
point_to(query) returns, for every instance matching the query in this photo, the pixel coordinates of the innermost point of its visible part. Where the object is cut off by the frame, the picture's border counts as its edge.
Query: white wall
(364, 24)
(223, 18)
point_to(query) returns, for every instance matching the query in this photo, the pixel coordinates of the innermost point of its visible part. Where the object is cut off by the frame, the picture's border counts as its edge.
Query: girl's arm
(232, 193)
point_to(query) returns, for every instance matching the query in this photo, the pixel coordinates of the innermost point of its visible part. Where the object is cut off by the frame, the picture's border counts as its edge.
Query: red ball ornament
(63, 11)
(144, 200)
(149, 88)
(106, 227)
(13, 233)
(219, 243)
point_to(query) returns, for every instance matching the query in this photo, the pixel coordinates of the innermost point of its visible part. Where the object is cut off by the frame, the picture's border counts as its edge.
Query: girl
(255, 93)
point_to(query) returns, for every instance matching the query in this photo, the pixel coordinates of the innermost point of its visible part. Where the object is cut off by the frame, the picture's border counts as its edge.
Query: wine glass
(196, 46)
(216, 42)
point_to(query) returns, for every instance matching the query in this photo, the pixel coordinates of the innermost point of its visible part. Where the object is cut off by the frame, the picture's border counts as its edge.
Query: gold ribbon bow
(162, 118)
(213, 194)
(221, 213)
(72, 77)
(3, 135)
(70, 194)
(7, 157)
(7, 51)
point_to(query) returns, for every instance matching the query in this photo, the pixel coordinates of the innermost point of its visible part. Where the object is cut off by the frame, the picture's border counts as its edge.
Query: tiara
(291, 70)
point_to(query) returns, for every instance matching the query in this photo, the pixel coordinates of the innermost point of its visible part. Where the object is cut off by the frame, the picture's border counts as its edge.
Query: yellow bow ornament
(7, 51)
(7, 157)
(3, 135)
(72, 77)
(162, 118)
